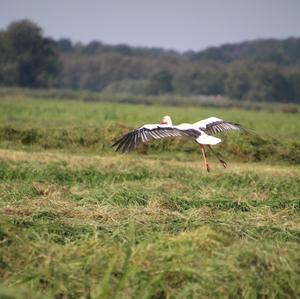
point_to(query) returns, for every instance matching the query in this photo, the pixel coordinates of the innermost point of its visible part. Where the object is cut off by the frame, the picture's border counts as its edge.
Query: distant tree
(161, 82)
(122, 49)
(257, 81)
(28, 58)
(237, 83)
(65, 45)
(3, 59)
(213, 53)
(294, 80)
(209, 81)
(92, 48)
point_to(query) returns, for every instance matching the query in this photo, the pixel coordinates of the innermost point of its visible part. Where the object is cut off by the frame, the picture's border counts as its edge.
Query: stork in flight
(200, 132)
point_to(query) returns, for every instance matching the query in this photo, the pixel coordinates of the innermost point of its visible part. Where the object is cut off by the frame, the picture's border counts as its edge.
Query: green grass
(79, 221)
(23, 112)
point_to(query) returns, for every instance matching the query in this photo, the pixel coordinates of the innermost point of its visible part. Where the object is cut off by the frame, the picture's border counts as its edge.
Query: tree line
(261, 70)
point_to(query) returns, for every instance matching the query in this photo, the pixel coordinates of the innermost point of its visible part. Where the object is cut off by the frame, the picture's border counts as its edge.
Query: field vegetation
(80, 221)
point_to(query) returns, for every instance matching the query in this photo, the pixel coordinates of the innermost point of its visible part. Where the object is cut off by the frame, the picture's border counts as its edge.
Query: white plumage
(200, 132)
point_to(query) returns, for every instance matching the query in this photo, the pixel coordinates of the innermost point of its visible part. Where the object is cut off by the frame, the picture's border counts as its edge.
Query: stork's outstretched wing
(149, 132)
(213, 125)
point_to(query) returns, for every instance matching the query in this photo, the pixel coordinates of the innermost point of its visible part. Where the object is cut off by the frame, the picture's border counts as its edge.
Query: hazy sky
(181, 25)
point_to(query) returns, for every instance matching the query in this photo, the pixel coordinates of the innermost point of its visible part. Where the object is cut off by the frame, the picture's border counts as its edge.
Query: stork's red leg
(204, 157)
(224, 164)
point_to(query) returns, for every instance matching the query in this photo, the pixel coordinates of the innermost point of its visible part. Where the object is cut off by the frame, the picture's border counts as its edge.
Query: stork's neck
(167, 120)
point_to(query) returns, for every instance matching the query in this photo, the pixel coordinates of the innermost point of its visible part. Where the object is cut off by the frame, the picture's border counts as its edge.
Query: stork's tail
(206, 139)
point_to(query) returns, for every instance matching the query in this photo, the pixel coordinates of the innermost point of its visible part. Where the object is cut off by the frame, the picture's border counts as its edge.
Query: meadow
(81, 221)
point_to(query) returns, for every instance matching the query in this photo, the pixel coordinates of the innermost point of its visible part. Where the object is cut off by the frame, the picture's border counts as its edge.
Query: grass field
(80, 221)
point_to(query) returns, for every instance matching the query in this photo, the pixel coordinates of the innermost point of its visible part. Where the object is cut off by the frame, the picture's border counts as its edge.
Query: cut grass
(147, 230)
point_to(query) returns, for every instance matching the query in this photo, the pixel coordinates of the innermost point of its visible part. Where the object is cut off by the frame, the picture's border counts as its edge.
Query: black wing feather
(132, 139)
(221, 126)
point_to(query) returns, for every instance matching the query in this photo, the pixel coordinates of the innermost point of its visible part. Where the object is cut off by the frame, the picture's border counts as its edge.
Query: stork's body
(200, 131)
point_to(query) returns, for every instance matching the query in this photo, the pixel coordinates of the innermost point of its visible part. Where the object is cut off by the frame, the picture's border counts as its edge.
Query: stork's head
(166, 120)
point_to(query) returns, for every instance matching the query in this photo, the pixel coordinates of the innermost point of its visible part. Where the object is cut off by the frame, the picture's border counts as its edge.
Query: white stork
(200, 132)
